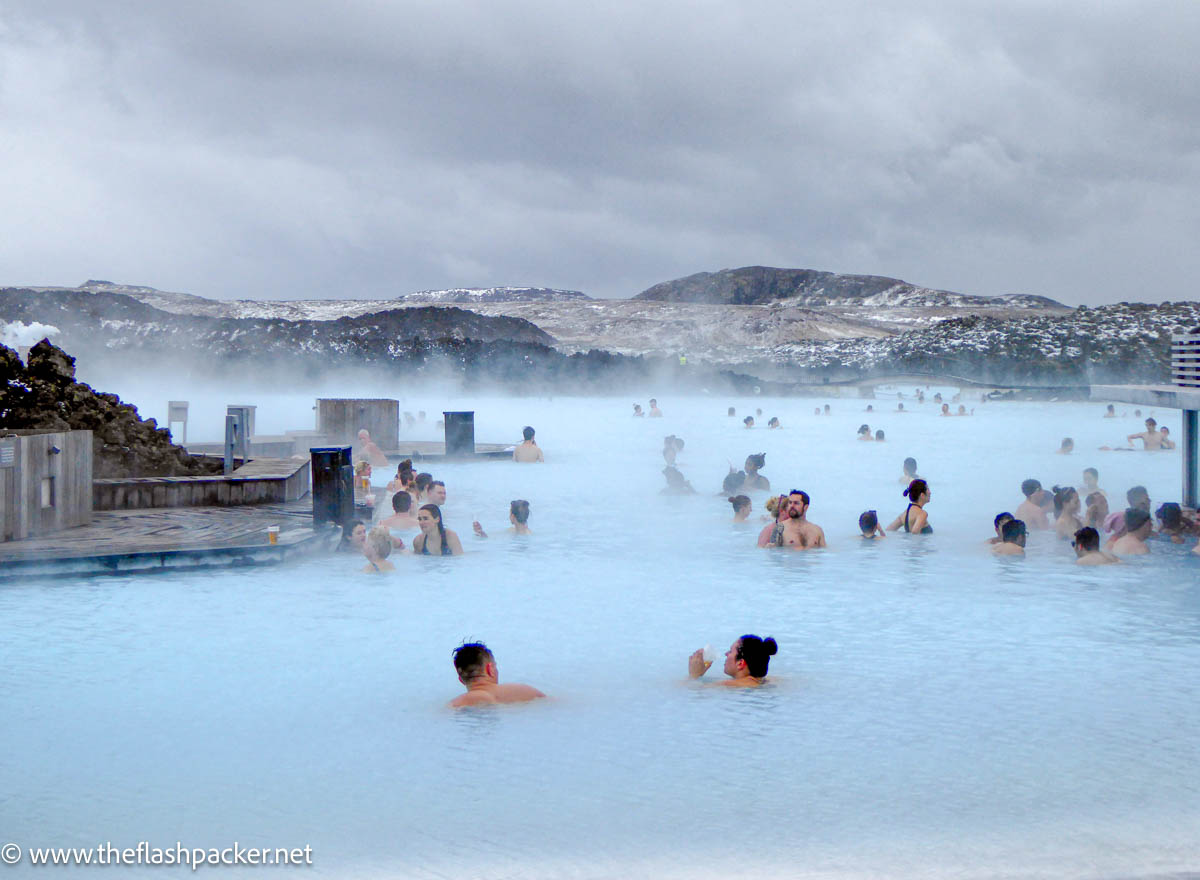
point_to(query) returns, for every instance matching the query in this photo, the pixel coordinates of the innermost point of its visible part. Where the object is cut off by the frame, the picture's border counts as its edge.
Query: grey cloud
(305, 150)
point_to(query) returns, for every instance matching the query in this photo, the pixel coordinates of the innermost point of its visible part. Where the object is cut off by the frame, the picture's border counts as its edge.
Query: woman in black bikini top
(429, 518)
(914, 523)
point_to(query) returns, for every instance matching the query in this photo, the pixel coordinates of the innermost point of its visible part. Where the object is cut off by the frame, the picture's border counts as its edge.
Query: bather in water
(1012, 539)
(477, 670)
(377, 548)
(746, 662)
(1087, 548)
(756, 482)
(741, 507)
(914, 519)
(868, 525)
(435, 539)
(1066, 512)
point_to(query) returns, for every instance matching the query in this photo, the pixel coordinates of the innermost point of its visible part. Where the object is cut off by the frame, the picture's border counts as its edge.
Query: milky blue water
(932, 711)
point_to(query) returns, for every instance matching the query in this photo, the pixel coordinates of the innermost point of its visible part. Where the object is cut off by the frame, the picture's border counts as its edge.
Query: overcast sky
(366, 149)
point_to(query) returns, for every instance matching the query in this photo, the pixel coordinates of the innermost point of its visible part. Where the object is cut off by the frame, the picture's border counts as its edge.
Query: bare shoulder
(515, 693)
(474, 698)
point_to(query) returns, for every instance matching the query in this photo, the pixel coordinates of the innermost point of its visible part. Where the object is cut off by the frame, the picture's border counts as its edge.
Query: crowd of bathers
(1078, 515)
(415, 501)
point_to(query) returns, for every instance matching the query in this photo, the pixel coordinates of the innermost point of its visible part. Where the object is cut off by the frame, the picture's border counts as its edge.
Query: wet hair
(1135, 518)
(1001, 518)
(423, 481)
(470, 658)
(437, 515)
(519, 510)
(1011, 530)
(401, 502)
(379, 540)
(1087, 538)
(404, 467)
(757, 653)
(1095, 473)
(1110, 407)
(1150, 421)
(867, 521)
(734, 480)
(1029, 487)
(433, 483)
(1062, 496)
(774, 421)
(1138, 492)
(347, 530)
(749, 420)
(910, 466)
(864, 429)
(1171, 515)
(758, 460)
(527, 433)
(916, 489)
(1093, 497)
(739, 501)
(803, 496)
(879, 434)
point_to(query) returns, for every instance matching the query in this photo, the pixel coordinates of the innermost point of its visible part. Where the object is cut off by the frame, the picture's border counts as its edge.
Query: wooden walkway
(180, 537)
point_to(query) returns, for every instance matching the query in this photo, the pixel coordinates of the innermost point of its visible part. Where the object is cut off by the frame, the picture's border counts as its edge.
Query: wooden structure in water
(258, 481)
(45, 482)
(1183, 394)
(340, 419)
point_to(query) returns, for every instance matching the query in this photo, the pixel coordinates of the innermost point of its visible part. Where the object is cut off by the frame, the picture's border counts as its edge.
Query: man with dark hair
(528, 452)
(1087, 548)
(1012, 539)
(1030, 510)
(476, 668)
(998, 525)
(1138, 526)
(436, 493)
(1150, 438)
(797, 532)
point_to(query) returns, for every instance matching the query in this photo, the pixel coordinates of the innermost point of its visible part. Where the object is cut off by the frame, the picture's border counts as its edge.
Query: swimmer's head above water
(750, 656)
(868, 521)
(1013, 532)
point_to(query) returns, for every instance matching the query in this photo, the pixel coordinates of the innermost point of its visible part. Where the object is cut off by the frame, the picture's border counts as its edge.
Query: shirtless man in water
(797, 532)
(1087, 548)
(1151, 438)
(476, 668)
(1138, 526)
(1012, 539)
(528, 451)
(1030, 510)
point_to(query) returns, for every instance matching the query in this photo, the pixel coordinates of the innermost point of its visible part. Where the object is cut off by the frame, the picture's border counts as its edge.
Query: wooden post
(1189, 447)
(230, 440)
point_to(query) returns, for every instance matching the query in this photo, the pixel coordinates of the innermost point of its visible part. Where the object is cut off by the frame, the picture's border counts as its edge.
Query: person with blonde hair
(377, 548)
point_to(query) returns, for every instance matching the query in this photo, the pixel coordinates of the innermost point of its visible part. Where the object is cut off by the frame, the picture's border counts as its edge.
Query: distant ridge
(761, 285)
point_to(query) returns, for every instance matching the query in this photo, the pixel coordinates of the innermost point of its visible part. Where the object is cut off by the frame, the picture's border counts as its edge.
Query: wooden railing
(1185, 360)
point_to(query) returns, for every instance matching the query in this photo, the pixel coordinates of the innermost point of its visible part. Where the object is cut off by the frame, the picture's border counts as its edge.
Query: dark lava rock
(45, 395)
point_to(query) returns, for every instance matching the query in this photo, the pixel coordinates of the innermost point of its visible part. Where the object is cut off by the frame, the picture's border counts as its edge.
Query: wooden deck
(121, 541)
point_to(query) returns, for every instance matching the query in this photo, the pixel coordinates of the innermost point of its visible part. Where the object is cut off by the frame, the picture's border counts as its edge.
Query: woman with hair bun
(756, 482)
(914, 519)
(745, 662)
(741, 507)
(1066, 512)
